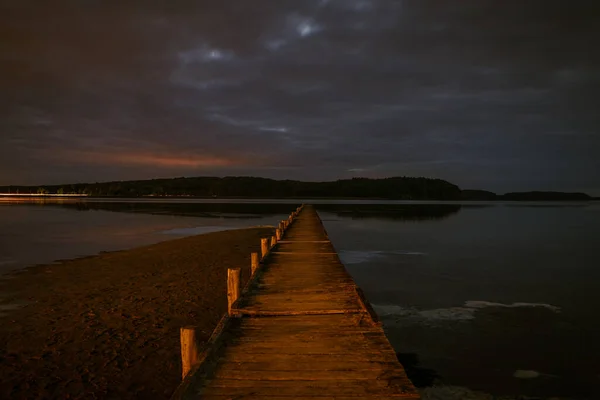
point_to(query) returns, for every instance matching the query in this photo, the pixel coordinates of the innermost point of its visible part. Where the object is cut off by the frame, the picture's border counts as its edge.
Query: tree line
(396, 188)
(406, 188)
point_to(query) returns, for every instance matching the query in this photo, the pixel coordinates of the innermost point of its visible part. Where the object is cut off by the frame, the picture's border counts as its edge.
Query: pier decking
(301, 329)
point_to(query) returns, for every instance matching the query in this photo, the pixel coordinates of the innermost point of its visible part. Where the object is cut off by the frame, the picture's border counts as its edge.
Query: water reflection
(251, 209)
(402, 212)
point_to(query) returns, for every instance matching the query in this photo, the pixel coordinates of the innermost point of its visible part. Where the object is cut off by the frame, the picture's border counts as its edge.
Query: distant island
(395, 188)
(524, 196)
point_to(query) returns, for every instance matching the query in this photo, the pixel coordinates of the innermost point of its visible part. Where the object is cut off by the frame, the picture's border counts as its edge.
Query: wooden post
(253, 262)
(264, 247)
(273, 241)
(189, 349)
(278, 234)
(233, 287)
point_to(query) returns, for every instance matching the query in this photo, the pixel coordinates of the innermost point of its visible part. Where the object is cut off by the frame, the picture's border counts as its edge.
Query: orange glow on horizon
(167, 161)
(149, 159)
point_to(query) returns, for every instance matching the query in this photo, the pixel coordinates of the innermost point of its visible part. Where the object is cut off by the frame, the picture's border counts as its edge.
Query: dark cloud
(487, 94)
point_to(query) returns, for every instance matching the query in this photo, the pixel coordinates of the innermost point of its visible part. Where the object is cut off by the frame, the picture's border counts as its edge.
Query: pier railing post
(253, 262)
(189, 349)
(278, 234)
(264, 247)
(273, 241)
(233, 287)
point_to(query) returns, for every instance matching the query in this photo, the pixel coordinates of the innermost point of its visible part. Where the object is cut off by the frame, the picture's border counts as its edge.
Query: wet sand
(107, 326)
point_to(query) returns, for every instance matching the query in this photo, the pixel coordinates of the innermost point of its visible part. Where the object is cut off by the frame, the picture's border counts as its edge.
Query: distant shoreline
(391, 188)
(42, 195)
(499, 198)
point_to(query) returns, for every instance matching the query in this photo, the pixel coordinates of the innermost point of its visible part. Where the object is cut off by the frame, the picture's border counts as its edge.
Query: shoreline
(84, 197)
(107, 326)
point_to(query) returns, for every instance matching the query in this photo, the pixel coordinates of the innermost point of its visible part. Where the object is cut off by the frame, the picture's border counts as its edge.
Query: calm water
(501, 298)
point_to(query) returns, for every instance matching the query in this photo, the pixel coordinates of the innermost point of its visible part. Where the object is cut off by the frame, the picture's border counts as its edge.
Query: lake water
(500, 298)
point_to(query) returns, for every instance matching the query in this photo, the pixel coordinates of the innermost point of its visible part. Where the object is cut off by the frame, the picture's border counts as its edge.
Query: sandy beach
(107, 326)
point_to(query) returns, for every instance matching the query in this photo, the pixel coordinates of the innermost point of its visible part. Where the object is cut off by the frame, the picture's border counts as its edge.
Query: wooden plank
(296, 282)
(301, 375)
(299, 299)
(274, 313)
(298, 253)
(253, 396)
(302, 302)
(306, 337)
(314, 320)
(324, 287)
(310, 364)
(293, 307)
(324, 388)
(304, 241)
(297, 348)
(362, 354)
(314, 347)
(296, 332)
(311, 341)
(380, 385)
(316, 358)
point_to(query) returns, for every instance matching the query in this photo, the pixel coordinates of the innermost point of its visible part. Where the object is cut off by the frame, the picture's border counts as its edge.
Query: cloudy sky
(498, 95)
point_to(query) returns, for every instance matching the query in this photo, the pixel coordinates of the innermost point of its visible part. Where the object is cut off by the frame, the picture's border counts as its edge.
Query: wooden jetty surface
(300, 329)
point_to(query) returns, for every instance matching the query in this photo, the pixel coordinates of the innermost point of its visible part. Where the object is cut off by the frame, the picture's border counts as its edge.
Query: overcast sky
(498, 95)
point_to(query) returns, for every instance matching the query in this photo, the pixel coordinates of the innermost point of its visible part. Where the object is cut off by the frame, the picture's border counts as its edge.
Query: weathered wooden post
(278, 234)
(233, 287)
(253, 262)
(273, 241)
(264, 247)
(189, 349)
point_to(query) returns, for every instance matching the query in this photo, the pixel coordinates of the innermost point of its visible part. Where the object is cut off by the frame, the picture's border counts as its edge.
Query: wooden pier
(300, 329)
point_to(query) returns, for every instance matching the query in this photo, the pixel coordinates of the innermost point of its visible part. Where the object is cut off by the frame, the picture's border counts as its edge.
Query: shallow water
(485, 299)
(34, 232)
